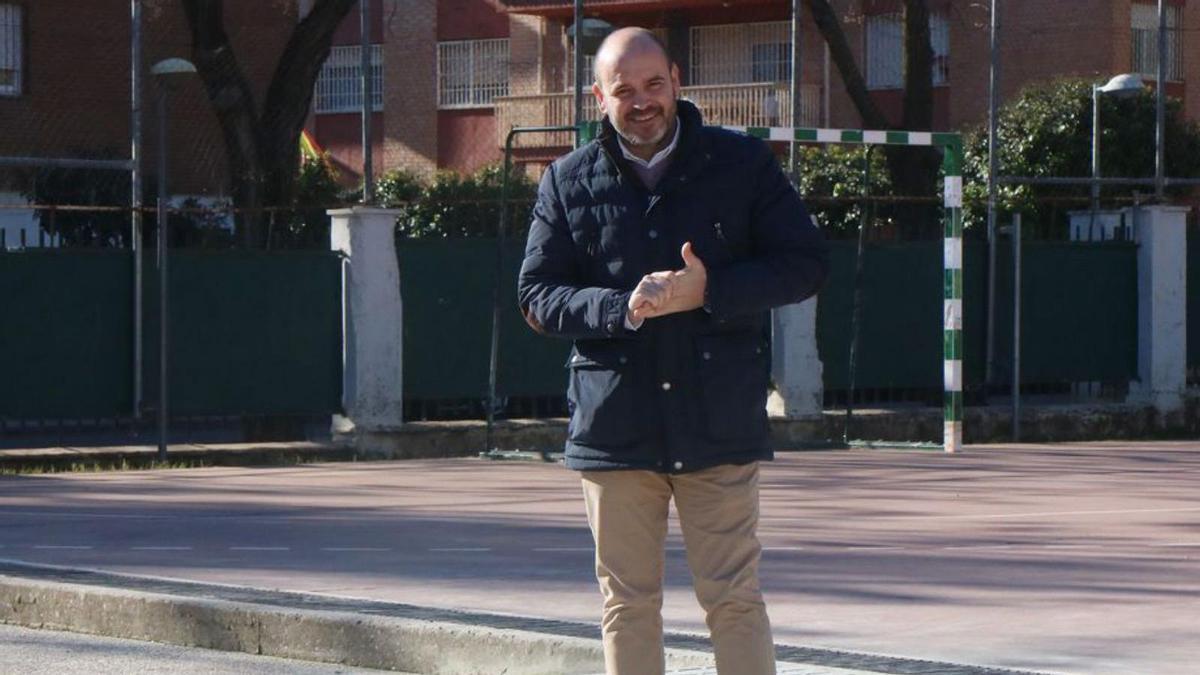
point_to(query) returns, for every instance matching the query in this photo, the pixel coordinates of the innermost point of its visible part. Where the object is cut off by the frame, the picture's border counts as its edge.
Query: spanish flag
(309, 148)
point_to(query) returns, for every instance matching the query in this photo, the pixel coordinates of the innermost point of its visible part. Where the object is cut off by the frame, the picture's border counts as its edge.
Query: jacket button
(678, 465)
(707, 356)
(653, 234)
(666, 386)
(612, 327)
(624, 359)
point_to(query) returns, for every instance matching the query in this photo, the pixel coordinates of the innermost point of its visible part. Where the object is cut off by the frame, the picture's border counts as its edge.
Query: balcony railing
(762, 104)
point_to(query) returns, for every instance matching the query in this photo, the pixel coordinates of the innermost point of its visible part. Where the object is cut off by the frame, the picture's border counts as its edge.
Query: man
(659, 249)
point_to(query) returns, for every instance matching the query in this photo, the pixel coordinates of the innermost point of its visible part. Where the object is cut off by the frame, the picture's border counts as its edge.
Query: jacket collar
(690, 148)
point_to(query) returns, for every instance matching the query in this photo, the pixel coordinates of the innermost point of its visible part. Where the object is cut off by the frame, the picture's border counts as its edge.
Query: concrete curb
(225, 454)
(432, 440)
(992, 424)
(333, 637)
(366, 633)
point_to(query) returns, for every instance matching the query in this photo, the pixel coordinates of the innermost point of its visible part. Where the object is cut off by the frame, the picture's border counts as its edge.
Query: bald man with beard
(659, 249)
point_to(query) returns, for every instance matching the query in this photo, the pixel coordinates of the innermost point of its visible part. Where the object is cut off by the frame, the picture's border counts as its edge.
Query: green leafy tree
(1046, 131)
(831, 182)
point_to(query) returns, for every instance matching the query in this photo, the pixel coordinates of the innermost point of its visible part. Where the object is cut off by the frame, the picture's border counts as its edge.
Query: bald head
(636, 88)
(624, 43)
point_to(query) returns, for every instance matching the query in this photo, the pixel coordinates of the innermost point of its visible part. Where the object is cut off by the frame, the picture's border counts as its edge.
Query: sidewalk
(1076, 558)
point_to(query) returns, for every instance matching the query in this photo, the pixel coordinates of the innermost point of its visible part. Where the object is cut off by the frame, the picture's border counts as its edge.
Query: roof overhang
(566, 8)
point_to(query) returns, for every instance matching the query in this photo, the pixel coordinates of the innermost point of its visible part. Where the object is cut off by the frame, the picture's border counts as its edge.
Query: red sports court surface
(1079, 558)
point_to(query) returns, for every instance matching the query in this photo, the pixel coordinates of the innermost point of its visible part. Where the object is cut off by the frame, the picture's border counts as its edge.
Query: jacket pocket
(601, 395)
(734, 371)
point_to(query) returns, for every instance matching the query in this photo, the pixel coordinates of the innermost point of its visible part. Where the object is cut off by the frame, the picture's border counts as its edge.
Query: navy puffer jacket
(686, 391)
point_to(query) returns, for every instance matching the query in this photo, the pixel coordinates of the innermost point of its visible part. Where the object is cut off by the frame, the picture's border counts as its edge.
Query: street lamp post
(1121, 86)
(165, 74)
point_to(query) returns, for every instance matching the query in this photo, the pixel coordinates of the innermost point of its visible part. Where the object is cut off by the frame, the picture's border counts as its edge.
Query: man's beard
(635, 139)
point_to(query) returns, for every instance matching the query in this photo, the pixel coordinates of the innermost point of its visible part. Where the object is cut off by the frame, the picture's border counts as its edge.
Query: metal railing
(760, 104)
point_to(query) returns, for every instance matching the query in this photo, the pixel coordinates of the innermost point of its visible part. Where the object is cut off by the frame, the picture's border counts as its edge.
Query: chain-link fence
(267, 134)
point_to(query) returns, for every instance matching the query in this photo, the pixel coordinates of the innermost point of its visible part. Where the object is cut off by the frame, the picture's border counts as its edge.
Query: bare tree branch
(830, 28)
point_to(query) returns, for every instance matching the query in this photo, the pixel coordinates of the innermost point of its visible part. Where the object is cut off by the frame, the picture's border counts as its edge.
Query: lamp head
(1123, 86)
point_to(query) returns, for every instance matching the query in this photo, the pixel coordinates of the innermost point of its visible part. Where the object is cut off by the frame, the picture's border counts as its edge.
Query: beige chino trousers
(718, 513)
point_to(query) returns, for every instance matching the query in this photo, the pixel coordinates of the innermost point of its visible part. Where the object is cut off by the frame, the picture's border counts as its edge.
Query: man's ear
(675, 79)
(599, 94)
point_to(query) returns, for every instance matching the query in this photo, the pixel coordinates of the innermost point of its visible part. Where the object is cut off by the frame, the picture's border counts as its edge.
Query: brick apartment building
(65, 90)
(453, 75)
(456, 74)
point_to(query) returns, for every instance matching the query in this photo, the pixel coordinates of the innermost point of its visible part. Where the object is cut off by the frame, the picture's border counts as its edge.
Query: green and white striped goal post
(951, 145)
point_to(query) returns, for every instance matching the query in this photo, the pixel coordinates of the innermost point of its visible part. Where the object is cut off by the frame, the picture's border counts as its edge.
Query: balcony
(761, 104)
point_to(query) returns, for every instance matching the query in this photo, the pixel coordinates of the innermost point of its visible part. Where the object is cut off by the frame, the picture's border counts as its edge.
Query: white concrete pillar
(372, 387)
(796, 366)
(1161, 234)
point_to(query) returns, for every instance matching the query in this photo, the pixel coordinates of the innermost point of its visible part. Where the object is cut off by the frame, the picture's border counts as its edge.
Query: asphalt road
(1080, 558)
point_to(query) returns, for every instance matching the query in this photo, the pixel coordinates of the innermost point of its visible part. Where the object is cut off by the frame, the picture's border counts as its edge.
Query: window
(11, 50)
(740, 53)
(589, 70)
(1144, 22)
(771, 62)
(339, 86)
(471, 73)
(885, 50)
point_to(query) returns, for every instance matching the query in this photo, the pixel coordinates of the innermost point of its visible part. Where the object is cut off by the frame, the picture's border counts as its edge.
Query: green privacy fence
(446, 287)
(1079, 317)
(252, 333)
(1078, 308)
(260, 332)
(66, 334)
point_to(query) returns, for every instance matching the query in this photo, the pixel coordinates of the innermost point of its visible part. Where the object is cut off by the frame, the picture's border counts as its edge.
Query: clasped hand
(671, 291)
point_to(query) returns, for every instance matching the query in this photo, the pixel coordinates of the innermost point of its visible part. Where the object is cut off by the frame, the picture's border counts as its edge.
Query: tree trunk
(261, 148)
(913, 170)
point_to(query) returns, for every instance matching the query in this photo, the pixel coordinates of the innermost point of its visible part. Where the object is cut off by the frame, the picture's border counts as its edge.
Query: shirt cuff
(631, 325)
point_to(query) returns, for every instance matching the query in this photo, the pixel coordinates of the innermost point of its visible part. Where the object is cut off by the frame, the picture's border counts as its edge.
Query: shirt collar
(659, 156)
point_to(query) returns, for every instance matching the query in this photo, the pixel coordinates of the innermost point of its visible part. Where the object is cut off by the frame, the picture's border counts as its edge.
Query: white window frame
(472, 73)
(1143, 42)
(12, 49)
(884, 55)
(339, 85)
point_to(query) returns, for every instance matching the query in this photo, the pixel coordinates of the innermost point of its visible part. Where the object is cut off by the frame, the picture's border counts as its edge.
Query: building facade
(457, 74)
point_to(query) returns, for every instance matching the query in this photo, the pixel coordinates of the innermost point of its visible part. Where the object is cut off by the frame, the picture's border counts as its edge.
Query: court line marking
(160, 548)
(259, 548)
(256, 517)
(566, 549)
(464, 549)
(47, 547)
(355, 549)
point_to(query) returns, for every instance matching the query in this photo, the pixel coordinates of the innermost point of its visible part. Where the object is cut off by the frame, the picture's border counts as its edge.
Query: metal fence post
(1016, 369)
